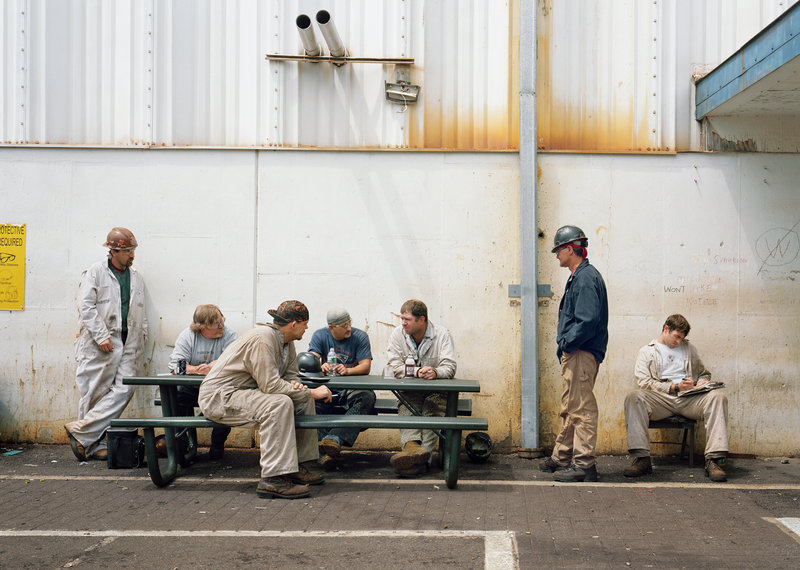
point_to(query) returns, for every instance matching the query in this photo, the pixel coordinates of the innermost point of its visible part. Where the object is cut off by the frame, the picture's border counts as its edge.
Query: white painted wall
(248, 229)
(689, 234)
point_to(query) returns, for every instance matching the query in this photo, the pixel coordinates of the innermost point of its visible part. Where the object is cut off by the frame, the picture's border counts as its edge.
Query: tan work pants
(578, 438)
(282, 447)
(430, 404)
(641, 406)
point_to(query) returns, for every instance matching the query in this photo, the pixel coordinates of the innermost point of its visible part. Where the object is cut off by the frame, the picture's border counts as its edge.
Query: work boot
(575, 474)
(714, 471)
(413, 455)
(328, 463)
(549, 465)
(280, 487)
(640, 466)
(307, 474)
(216, 452)
(77, 448)
(100, 455)
(411, 472)
(329, 446)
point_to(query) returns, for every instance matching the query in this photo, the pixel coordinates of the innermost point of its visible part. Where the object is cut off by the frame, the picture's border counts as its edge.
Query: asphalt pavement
(59, 513)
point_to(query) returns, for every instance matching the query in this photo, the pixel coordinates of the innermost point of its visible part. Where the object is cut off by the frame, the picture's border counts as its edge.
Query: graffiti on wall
(778, 247)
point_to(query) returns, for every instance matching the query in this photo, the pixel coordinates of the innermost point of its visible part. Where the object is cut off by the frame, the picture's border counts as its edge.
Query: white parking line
(433, 482)
(500, 547)
(790, 526)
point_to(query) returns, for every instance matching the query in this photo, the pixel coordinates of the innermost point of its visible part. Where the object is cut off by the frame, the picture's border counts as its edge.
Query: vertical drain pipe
(528, 230)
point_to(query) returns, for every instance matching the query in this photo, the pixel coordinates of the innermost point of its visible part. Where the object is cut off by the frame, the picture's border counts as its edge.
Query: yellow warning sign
(12, 267)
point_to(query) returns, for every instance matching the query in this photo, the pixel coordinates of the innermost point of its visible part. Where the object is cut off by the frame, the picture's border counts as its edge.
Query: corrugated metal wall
(613, 75)
(616, 75)
(193, 73)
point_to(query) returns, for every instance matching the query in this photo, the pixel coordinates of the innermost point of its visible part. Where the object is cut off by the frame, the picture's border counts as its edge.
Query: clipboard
(707, 387)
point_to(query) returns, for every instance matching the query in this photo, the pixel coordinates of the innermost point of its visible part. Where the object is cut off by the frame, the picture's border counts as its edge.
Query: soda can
(181, 367)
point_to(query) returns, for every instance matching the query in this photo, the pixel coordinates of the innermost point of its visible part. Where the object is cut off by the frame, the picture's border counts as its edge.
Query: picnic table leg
(452, 447)
(160, 479)
(451, 411)
(169, 408)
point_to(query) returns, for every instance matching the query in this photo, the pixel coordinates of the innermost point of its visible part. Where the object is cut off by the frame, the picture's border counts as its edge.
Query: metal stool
(677, 422)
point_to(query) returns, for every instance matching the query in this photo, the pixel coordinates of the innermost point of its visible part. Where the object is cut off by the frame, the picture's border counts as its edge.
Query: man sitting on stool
(665, 367)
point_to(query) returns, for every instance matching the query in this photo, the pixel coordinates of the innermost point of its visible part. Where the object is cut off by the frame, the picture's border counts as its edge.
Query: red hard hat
(120, 238)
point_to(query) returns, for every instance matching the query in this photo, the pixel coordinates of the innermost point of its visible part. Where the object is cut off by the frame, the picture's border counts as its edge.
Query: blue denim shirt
(583, 313)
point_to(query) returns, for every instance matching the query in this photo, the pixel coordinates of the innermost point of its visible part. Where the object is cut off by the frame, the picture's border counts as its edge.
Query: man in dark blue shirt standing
(582, 339)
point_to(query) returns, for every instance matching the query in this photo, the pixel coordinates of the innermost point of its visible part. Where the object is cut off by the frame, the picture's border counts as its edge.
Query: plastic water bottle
(410, 364)
(332, 362)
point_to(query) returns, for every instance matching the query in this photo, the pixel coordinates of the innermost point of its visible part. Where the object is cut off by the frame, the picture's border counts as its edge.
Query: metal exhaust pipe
(306, 31)
(330, 34)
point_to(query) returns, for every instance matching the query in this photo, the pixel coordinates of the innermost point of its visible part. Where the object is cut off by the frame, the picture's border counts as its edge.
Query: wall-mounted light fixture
(402, 91)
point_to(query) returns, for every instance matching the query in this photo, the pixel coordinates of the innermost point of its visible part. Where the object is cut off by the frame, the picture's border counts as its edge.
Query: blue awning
(763, 77)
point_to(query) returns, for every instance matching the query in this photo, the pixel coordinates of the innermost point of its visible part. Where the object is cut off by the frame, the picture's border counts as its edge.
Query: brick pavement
(364, 517)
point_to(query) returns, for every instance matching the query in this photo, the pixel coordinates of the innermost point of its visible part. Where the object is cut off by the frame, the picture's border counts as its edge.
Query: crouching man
(255, 381)
(664, 368)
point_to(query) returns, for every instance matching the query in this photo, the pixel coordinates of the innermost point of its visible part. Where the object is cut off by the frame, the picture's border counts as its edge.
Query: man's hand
(298, 385)
(321, 393)
(203, 369)
(106, 345)
(427, 373)
(340, 369)
(686, 384)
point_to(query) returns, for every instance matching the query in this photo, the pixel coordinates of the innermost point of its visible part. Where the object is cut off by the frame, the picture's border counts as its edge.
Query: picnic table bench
(449, 427)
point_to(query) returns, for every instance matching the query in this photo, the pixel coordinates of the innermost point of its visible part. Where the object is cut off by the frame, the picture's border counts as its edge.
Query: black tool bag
(125, 448)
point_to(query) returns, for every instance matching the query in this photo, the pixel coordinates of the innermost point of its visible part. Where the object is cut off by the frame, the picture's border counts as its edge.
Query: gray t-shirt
(196, 349)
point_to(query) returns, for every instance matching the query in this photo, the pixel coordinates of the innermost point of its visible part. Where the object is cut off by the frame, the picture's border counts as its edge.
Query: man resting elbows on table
(199, 345)
(255, 381)
(434, 356)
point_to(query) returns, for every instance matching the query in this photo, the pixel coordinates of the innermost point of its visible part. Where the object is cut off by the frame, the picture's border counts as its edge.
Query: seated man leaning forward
(664, 368)
(255, 382)
(199, 345)
(353, 358)
(431, 347)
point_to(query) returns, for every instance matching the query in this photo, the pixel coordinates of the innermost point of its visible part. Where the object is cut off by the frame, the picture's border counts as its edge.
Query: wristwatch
(677, 389)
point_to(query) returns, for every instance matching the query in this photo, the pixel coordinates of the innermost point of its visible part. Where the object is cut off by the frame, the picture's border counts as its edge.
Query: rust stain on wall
(576, 121)
(487, 124)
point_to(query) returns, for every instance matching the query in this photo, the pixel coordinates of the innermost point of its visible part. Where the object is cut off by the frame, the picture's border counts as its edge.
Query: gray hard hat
(309, 365)
(569, 234)
(478, 446)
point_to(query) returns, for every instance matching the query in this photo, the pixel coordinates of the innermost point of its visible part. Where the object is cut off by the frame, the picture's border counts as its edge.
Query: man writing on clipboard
(673, 380)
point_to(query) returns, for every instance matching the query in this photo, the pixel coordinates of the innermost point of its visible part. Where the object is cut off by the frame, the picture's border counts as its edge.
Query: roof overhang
(762, 78)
